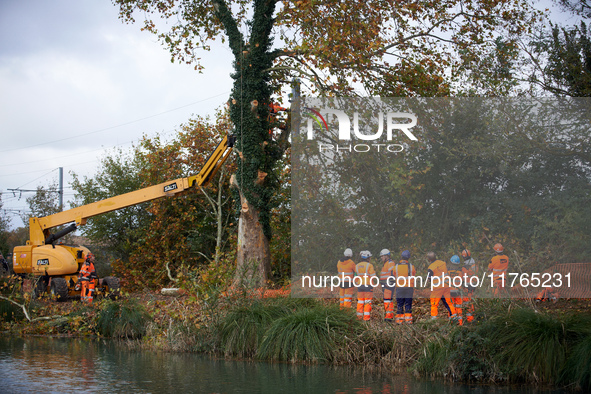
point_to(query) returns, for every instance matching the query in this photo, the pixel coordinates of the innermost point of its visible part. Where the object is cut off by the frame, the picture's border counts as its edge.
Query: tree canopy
(44, 202)
(119, 231)
(387, 47)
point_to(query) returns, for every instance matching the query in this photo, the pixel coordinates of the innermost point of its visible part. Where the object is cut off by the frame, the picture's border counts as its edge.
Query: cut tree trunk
(253, 260)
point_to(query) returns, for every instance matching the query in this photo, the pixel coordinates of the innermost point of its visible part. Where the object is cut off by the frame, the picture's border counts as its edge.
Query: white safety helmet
(385, 252)
(365, 254)
(348, 253)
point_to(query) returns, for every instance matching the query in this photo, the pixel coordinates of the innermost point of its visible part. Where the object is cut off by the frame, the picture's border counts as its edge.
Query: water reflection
(56, 365)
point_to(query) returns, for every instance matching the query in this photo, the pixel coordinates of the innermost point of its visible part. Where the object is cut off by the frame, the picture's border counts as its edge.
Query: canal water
(63, 365)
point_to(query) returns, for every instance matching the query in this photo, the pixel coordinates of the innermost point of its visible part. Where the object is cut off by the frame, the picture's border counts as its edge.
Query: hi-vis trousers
(364, 298)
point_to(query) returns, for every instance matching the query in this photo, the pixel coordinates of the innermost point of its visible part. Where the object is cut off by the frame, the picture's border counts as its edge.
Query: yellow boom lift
(57, 266)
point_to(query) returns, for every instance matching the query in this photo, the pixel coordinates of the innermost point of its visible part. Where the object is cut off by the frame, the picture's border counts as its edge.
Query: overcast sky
(75, 82)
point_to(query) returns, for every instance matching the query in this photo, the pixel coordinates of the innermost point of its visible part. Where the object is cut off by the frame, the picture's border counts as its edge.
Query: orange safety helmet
(498, 248)
(89, 257)
(466, 253)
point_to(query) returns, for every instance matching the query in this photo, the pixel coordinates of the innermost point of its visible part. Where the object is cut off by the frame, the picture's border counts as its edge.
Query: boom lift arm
(39, 227)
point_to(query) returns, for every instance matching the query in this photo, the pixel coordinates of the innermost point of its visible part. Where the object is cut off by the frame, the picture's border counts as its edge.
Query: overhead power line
(42, 176)
(37, 171)
(114, 127)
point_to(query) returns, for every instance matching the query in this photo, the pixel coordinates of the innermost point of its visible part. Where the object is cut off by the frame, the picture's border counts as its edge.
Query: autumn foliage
(181, 230)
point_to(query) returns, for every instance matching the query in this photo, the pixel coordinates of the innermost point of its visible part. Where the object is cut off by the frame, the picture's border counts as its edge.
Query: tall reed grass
(519, 345)
(530, 345)
(308, 334)
(122, 319)
(242, 329)
(285, 329)
(577, 371)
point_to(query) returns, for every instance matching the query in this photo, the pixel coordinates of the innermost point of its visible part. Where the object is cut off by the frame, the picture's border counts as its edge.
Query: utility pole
(61, 188)
(295, 106)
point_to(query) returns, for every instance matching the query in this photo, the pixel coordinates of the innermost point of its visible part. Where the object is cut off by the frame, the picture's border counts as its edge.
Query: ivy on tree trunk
(257, 152)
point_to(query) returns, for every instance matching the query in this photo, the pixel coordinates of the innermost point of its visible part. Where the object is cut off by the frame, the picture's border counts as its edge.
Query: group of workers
(397, 280)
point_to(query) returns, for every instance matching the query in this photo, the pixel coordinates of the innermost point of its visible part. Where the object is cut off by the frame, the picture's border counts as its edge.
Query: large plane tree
(386, 47)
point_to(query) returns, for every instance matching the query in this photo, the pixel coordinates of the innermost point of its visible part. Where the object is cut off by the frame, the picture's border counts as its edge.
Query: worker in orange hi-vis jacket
(86, 279)
(498, 266)
(346, 269)
(455, 269)
(365, 271)
(436, 273)
(388, 284)
(405, 286)
(468, 270)
(547, 294)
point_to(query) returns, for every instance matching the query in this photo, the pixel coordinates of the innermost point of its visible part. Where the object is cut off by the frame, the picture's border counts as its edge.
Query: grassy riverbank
(512, 341)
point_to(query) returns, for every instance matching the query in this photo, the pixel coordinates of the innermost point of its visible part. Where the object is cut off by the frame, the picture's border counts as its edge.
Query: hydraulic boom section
(214, 162)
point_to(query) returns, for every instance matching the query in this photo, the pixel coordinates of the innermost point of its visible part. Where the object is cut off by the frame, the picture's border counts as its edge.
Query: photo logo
(315, 115)
(345, 124)
(395, 122)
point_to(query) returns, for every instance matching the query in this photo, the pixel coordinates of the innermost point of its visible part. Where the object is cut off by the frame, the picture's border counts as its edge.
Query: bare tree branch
(26, 313)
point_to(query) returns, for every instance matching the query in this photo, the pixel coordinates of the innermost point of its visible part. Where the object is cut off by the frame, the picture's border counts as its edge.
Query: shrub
(10, 289)
(10, 312)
